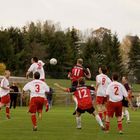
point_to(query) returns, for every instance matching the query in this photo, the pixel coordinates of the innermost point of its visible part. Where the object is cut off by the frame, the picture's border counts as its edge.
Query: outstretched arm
(60, 87)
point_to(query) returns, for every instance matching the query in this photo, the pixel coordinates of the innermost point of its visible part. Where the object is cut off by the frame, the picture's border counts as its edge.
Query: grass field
(59, 124)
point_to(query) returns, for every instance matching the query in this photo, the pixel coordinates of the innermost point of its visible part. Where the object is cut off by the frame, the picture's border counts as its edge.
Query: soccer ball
(53, 61)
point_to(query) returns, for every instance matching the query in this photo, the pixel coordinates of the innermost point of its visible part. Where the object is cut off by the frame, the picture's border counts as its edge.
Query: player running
(102, 82)
(125, 101)
(37, 89)
(36, 66)
(77, 72)
(4, 93)
(115, 92)
(84, 101)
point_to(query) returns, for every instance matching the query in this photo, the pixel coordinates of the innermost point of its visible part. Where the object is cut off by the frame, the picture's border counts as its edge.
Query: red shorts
(101, 100)
(114, 107)
(36, 104)
(5, 99)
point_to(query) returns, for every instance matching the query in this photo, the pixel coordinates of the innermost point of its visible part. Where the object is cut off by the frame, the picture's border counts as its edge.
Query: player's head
(115, 76)
(34, 60)
(7, 73)
(80, 61)
(81, 81)
(102, 69)
(124, 79)
(36, 75)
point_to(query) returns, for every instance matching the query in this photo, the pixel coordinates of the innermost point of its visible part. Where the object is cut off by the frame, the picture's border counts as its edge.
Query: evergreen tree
(134, 56)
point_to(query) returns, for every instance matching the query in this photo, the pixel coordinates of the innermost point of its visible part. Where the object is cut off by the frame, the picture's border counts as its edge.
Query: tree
(134, 56)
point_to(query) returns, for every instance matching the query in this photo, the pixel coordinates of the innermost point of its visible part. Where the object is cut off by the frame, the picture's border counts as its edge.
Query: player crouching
(37, 89)
(84, 101)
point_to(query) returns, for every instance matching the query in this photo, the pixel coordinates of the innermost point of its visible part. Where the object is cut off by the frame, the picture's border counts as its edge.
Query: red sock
(33, 118)
(119, 125)
(46, 105)
(101, 115)
(107, 124)
(105, 114)
(7, 111)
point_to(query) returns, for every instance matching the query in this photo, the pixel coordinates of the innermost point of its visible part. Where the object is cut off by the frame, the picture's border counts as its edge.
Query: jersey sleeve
(31, 68)
(47, 89)
(26, 87)
(125, 94)
(97, 80)
(85, 71)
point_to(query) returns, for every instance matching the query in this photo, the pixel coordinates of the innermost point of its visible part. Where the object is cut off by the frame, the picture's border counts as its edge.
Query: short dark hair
(81, 81)
(35, 59)
(104, 69)
(115, 76)
(36, 75)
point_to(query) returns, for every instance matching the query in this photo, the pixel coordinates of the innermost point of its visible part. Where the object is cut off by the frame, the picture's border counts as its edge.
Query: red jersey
(77, 72)
(83, 96)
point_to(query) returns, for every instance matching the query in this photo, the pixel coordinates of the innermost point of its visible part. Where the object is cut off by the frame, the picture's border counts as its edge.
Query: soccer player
(77, 72)
(115, 92)
(102, 82)
(36, 66)
(125, 101)
(84, 101)
(37, 90)
(4, 93)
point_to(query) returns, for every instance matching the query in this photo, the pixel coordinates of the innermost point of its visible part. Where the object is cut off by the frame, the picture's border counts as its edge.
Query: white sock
(127, 115)
(99, 121)
(78, 121)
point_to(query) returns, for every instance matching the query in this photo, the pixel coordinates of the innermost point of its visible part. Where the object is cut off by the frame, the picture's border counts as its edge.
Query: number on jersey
(82, 93)
(103, 81)
(37, 88)
(116, 89)
(76, 72)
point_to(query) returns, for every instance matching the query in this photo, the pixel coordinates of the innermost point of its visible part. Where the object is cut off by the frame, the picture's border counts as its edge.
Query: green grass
(59, 124)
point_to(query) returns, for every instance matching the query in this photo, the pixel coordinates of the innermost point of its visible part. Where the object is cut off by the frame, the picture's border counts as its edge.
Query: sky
(121, 16)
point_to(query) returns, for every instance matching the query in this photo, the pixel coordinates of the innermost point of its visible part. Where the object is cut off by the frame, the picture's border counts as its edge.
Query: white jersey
(102, 81)
(4, 83)
(116, 91)
(38, 67)
(37, 88)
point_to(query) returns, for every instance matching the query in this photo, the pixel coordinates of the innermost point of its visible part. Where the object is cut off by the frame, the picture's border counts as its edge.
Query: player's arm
(87, 73)
(3, 85)
(27, 74)
(60, 87)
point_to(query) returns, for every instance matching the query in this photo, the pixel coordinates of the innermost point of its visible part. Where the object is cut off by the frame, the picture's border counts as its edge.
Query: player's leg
(110, 114)
(8, 110)
(100, 111)
(76, 103)
(15, 101)
(32, 110)
(118, 114)
(127, 115)
(97, 117)
(99, 101)
(78, 118)
(34, 121)
(123, 112)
